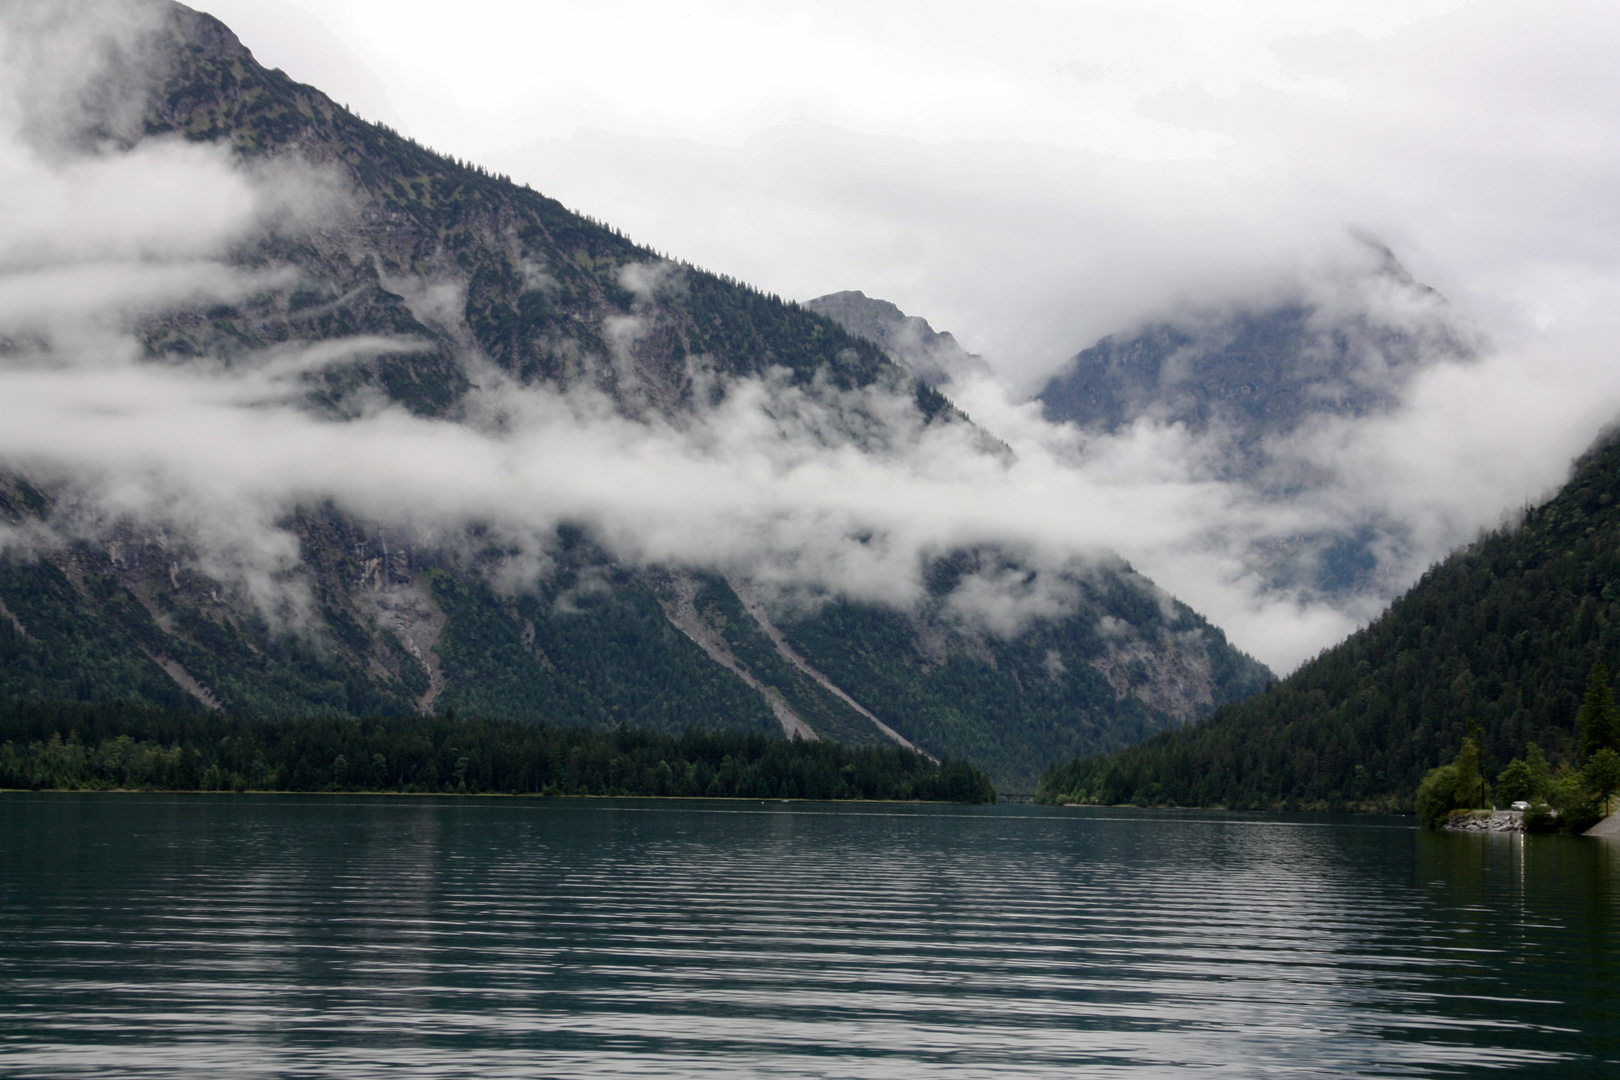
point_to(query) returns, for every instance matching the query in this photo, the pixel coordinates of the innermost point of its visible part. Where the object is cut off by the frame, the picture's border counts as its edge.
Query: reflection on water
(357, 937)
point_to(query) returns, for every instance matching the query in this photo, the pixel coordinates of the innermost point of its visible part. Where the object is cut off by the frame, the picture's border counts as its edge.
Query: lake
(376, 936)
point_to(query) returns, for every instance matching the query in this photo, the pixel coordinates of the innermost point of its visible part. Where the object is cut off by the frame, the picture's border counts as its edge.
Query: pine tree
(1602, 775)
(1598, 722)
(1529, 779)
(1515, 783)
(1540, 771)
(1471, 792)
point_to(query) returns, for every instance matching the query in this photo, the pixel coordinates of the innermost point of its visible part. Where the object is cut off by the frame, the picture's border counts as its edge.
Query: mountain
(1504, 632)
(475, 299)
(934, 357)
(1345, 346)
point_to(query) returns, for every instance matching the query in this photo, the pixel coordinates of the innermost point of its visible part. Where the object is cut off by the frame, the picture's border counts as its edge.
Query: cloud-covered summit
(1345, 343)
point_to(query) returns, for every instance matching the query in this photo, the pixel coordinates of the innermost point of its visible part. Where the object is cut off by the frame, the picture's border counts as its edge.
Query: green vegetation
(1574, 799)
(1012, 703)
(1502, 633)
(1598, 723)
(96, 640)
(590, 646)
(1602, 777)
(825, 712)
(1449, 788)
(1526, 779)
(106, 747)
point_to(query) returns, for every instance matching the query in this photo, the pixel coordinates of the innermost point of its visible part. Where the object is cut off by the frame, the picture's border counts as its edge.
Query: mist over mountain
(1254, 383)
(297, 415)
(1264, 403)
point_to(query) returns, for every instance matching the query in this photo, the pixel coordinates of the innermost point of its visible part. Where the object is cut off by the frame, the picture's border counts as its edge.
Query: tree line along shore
(71, 746)
(1571, 799)
(1568, 794)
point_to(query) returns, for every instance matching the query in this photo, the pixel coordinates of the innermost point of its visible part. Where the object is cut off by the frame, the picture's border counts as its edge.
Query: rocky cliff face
(933, 356)
(433, 282)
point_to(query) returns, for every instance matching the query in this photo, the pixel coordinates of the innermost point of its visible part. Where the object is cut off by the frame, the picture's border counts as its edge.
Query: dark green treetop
(1602, 775)
(1526, 779)
(1597, 722)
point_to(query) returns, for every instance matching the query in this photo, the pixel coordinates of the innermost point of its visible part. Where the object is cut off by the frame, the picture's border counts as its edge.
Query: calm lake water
(303, 936)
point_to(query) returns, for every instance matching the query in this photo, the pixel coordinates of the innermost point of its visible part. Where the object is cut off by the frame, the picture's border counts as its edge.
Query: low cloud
(805, 489)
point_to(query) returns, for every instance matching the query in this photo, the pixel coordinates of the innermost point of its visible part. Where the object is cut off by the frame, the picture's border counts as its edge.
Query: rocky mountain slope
(933, 356)
(462, 281)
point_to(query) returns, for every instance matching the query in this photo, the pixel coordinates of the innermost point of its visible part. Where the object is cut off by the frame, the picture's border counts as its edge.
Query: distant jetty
(1509, 821)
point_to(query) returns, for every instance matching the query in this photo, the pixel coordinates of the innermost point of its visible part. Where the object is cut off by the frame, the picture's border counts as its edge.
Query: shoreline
(1512, 821)
(482, 795)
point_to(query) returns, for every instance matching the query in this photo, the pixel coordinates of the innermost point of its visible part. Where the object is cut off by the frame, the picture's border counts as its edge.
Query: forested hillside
(1504, 633)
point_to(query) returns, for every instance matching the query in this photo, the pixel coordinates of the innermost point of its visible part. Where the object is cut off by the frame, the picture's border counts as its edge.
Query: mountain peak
(933, 356)
(1346, 344)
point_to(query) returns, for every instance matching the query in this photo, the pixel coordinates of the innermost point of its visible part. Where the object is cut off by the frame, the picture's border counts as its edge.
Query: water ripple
(167, 936)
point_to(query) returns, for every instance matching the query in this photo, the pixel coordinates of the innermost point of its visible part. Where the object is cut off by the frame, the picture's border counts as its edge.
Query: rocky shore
(1485, 821)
